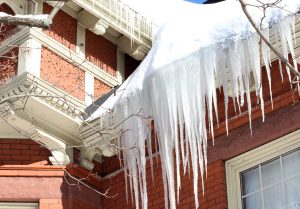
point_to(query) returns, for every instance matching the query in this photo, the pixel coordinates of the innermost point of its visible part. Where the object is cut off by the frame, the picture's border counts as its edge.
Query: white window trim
(251, 159)
(16, 5)
(18, 205)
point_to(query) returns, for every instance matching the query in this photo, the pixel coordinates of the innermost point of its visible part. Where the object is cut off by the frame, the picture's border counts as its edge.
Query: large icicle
(176, 86)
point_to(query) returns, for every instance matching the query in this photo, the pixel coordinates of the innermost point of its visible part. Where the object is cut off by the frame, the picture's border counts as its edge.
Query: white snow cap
(199, 48)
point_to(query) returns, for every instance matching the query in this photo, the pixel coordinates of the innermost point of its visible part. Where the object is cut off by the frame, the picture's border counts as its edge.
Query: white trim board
(252, 158)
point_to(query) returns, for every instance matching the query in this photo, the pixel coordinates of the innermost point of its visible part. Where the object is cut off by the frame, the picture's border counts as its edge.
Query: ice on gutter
(175, 86)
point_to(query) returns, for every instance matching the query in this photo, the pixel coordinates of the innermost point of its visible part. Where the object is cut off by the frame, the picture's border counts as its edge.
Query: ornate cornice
(27, 85)
(99, 15)
(56, 145)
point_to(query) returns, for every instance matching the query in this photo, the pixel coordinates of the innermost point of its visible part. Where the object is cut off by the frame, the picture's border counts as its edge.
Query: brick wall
(101, 52)
(50, 204)
(6, 30)
(215, 190)
(23, 152)
(51, 192)
(281, 90)
(100, 88)
(8, 65)
(240, 140)
(63, 29)
(27, 176)
(278, 88)
(62, 74)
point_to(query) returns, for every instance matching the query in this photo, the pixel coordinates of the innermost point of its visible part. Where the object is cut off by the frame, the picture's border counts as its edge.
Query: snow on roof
(152, 9)
(198, 47)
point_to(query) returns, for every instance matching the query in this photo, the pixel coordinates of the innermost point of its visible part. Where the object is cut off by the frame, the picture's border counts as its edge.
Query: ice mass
(199, 50)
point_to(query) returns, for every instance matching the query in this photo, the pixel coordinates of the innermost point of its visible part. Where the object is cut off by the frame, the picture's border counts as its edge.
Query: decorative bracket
(96, 25)
(137, 51)
(52, 143)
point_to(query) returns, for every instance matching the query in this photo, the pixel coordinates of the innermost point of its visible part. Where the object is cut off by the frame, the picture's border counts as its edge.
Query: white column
(80, 41)
(120, 66)
(30, 57)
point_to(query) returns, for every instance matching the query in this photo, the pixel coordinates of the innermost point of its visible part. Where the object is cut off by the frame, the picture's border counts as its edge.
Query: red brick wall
(101, 52)
(9, 65)
(51, 192)
(278, 88)
(23, 152)
(50, 204)
(215, 190)
(239, 141)
(277, 124)
(100, 88)
(26, 175)
(62, 74)
(63, 28)
(6, 30)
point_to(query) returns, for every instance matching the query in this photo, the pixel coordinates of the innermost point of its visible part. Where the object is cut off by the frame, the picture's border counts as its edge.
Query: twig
(285, 61)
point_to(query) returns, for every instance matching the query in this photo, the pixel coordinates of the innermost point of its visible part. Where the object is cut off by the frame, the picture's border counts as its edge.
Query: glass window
(274, 184)
(17, 205)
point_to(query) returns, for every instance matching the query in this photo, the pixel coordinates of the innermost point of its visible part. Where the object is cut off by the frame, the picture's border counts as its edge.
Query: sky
(197, 1)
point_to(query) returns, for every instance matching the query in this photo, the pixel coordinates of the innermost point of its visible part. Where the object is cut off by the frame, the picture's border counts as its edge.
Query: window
(12, 205)
(267, 177)
(274, 184)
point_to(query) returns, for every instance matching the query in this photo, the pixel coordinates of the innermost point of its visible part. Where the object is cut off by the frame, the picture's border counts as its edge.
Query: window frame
(18, 205)
(253, 158)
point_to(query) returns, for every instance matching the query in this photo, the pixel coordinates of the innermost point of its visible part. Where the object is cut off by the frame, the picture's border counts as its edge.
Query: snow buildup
(37, 17)
(201, 48)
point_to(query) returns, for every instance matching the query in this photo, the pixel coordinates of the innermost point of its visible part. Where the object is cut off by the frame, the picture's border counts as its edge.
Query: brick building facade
(48, 78)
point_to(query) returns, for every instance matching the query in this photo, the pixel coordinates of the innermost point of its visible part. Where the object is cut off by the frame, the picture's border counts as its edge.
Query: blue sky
(197, 1)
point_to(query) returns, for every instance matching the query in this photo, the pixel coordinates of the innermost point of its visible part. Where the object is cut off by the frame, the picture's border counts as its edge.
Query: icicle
(267, 61)
(176, 86)
(277, 46)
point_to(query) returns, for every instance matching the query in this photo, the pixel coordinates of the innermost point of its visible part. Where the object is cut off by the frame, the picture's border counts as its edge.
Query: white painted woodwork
(80, 41)
(252, 158)
(29, 59)
(120, 66)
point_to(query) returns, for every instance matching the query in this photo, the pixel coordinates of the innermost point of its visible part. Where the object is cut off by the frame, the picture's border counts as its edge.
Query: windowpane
(271, 173)
(273, 185)
(273, 197)
(16, 205)
(250, 180)
(291, 165)
(253, 201)
(292, 187)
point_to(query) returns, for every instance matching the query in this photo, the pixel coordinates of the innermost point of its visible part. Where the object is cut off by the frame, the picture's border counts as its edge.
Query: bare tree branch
(55, 0)
(285, 61)
(41, 21)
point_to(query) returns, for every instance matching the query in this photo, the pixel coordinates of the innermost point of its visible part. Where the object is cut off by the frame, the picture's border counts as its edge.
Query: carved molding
(137, 51)
(100, 137)
(121, 18)
(93, 23)
(52, 143)
(25, 83)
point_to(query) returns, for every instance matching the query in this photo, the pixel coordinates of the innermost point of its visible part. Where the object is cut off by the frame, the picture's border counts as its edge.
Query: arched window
(6, 30)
